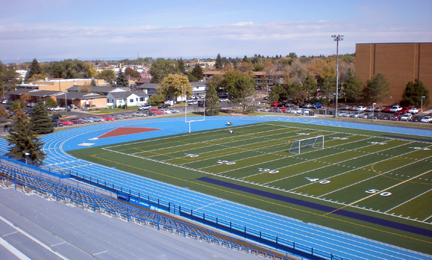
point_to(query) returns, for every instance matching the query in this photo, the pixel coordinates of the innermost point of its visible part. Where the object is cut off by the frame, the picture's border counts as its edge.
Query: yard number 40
(374, 191)
(318, 180)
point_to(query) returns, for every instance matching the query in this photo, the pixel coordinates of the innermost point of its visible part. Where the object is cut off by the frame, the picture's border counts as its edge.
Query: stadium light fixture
(337, 38)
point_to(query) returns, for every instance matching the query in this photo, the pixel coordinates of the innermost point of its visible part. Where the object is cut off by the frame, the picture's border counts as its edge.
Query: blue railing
(50, 188)
(228, 226)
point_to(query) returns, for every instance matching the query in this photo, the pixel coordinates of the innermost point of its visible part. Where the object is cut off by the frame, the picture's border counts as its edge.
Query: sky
(94, 29)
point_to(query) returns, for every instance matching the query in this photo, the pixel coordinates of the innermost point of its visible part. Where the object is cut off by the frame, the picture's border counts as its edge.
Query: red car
(65, 122)
(107, 118)
(405, 110)
(386, 109)
(157, 111)
(275, 104)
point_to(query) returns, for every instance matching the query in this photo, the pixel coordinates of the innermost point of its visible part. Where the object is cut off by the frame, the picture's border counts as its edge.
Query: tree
(328, 88)
(50, 102)
(40, 121)
(295, 92)
(212, 101)
(181, 65)
(34, 69)
(310, 86)
(156, 98)
(107, 75)
(130, 72)
(122, 81)
(277, 94)
(15, 104)
(197, 72)
(413, 93)
(175, 85)
(377, 88)
(7, 77)
(218, 64)
(353, 87)
(239, 86)
(162, 68)
(23, 142)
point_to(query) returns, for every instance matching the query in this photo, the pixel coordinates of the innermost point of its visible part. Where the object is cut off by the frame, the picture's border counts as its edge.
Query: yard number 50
(374, 191)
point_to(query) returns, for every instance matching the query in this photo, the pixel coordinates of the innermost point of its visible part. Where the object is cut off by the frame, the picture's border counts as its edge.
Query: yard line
(424, 220)
(303, 153)
(408, 200)
(379, 174)
(328, 165)
(386, 189)
(206, 141)
(228, 147)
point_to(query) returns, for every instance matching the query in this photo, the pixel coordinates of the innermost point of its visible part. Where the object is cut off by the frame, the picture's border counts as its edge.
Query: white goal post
(299, 146)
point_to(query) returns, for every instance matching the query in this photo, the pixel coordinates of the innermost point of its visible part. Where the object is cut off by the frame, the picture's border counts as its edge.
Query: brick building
(399, 62)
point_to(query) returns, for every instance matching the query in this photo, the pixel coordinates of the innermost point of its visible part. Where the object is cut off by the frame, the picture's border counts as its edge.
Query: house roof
(104, 90)
(79, 95)
(123, 95)
(149, 86)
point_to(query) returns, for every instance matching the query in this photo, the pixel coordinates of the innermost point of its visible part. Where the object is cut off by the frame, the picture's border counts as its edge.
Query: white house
(128, 98)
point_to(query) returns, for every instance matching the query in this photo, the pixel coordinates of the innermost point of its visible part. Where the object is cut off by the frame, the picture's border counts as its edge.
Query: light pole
(337, 38)
(421, 104)
(26, 155)
(373, 110)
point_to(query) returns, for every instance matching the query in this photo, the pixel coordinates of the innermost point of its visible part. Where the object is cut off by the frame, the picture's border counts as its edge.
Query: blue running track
(322, 238)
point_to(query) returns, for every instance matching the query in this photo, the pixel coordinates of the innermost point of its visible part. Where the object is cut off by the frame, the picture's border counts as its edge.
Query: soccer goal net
(299, 146)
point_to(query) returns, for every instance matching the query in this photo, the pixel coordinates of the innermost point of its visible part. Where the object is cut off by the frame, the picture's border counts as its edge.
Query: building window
(131, 100)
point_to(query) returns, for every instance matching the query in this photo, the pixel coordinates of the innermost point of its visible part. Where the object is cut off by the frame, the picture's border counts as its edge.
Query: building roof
(79, 95)
(124, 95)
(104, 90)
(149, 86)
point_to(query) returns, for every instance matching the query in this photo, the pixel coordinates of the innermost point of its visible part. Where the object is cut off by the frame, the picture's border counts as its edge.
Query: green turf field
(362, 171)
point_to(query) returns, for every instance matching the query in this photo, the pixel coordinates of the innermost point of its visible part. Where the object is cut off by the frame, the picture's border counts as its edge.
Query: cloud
(243, 38)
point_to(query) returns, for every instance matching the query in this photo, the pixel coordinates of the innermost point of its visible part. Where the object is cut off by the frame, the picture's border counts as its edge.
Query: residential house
(129, 98)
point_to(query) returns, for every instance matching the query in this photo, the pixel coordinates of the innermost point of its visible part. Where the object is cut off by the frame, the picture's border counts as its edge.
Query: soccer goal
(299, 146)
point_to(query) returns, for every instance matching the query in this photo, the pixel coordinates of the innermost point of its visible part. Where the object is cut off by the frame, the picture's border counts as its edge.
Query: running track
(325, 239)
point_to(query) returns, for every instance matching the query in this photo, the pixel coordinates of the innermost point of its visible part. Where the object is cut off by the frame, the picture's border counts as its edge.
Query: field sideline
(358, 172)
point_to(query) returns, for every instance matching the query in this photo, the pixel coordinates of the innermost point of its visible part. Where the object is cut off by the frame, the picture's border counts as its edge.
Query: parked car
(386, 109)
(317, 105)
(56, 108)
(360, 108)
(77, 121)
(369, 109)
(145, 107)
(413, 110)
(157, 111)
(174, 111)
(127, 116)
(395, 108)
(87, 120)
(426, 119)
(55, 116)
(166, 105)
(117, 116)
(404, 110)
(377, 109)
(344, 107)
(166, 111)
(97, 119)
(66, 122)
(275, 104)
(358, 114)
(107, 118)
(140, 114)
(406, 117)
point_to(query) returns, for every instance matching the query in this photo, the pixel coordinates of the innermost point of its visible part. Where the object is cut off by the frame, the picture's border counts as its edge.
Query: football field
(369, 183)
